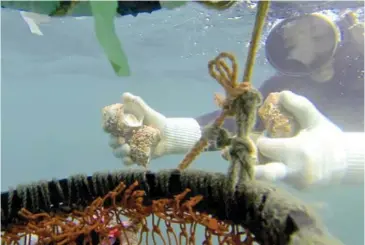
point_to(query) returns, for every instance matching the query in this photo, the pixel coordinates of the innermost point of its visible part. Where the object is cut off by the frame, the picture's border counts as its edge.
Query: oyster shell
(116, 122)
(142, 144)
(131, 121)
(278, 122)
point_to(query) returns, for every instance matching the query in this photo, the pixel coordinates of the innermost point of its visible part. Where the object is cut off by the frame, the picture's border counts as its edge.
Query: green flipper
(104, 13)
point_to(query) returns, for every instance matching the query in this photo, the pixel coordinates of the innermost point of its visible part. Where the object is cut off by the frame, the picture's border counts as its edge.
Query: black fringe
(272, 216)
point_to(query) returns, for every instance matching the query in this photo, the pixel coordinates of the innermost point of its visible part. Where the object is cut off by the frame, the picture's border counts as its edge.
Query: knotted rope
(241, 101)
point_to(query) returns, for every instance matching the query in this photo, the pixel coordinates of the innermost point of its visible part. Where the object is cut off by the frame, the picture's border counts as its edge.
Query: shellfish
(278, 122)
(117, 122)
(142, 144)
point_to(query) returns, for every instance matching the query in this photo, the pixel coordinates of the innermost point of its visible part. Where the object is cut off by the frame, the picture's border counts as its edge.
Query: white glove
(178, 135)
(316, 155)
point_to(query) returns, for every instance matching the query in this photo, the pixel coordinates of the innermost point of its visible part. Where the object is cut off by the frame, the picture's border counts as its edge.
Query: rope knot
(227, 78)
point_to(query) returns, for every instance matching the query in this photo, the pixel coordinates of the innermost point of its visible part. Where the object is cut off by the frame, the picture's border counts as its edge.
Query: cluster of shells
(278, 122)
(129, 128)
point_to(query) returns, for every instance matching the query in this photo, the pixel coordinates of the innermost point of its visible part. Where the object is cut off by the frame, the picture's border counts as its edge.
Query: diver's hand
(177, 135)
(134, 105)
(315, 155)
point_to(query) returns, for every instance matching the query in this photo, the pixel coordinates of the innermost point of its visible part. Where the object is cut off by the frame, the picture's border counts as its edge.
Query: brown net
(89, 209)
(62, 229)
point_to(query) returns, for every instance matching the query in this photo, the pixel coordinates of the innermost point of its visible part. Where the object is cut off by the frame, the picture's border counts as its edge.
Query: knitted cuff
(181, 134)
(355, 158)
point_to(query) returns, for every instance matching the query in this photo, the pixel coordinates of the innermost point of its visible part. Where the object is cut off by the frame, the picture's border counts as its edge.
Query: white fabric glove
(320, 153)
(178, 135)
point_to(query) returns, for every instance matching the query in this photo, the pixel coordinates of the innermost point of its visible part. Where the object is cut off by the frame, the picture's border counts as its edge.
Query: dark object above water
(279, 9)
(79, 9)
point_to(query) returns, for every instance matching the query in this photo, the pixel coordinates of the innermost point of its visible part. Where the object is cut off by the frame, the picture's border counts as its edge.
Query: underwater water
(53, 88)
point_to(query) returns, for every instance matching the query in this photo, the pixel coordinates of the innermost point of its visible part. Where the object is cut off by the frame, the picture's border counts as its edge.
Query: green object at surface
(104, 13)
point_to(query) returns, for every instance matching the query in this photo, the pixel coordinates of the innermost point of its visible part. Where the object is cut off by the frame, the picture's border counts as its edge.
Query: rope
(241, 99)
(263, 9)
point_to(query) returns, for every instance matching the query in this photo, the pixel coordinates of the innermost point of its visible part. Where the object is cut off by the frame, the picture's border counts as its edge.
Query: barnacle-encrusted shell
(118, 123)
(142, 144)
(278, 122)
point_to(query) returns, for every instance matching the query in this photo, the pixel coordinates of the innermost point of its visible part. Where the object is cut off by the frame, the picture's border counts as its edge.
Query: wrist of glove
(354, 146)
(179, 136)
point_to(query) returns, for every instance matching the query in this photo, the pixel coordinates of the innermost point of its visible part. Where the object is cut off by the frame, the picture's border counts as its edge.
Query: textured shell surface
(278, 122)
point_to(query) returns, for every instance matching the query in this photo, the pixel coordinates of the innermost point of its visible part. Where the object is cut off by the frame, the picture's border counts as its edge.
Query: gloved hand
(177, 135)
(315, 155)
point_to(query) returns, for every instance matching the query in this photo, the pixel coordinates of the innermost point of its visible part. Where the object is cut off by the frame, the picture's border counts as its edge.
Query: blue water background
(54, 86)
